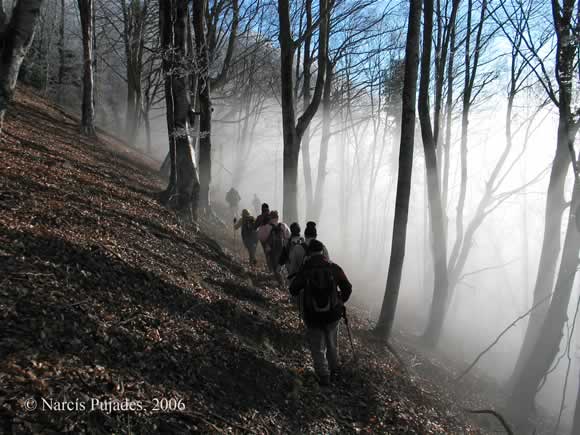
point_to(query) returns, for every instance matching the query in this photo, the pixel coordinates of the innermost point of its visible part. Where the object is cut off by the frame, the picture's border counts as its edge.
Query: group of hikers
(318, 287)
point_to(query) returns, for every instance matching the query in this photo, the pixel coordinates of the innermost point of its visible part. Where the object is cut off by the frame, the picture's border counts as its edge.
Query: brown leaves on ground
(103, 297)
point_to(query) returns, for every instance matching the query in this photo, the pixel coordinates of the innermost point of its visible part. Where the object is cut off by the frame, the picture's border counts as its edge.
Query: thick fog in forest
(361, 112)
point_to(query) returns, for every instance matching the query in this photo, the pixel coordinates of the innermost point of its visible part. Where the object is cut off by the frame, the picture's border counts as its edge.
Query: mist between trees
(301, 103)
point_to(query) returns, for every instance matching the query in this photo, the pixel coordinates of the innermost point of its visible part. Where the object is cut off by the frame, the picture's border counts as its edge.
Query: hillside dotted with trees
(310, 216)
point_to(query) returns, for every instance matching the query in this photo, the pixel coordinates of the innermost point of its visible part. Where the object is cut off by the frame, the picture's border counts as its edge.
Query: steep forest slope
(103, 297)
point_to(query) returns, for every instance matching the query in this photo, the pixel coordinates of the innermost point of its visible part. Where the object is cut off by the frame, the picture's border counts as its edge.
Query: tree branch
(511, 325)
(496, 414)
(220, 80)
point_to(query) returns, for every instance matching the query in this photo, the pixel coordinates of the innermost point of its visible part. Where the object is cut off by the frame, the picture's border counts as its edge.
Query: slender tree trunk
(204, 95)
(306, 95)
(324, 140)
(388, 309)
(183, 189)
(293, 130)
(544, 331)
(449, 118)
(87, 12)
(551, 244)
(134, 21)
(16, 37)
(243, 141)
(61, 53)
(147, 123)
(550, 249)
(440, 62)
(342, 152)
(576, 424)
(438, 245)
(552, 330)
(3, 17)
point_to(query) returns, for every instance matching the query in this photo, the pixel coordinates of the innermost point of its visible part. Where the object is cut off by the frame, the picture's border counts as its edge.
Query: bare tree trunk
(307, 74)
(555, 206)
(61, 52)
(243, 145)
(576, 424)
(3, 17)
(449, 117)
(87, 12)
(444, 32)
(147, 123)
(324, 140)
(388, 309)
(16, 37)
(551, 333)
(183, 189)
(203, 92)
(134, 21)
(544, 331)
(294, 129)
(438, 245)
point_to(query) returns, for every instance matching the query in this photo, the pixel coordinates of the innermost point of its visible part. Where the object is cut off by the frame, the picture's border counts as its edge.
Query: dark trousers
(323, 342)
(251, 248)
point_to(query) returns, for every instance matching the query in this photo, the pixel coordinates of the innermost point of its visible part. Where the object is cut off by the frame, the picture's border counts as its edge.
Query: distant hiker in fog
(233, 200)
(249, 234)
(326, 289)
(256, 204)
(274, 236)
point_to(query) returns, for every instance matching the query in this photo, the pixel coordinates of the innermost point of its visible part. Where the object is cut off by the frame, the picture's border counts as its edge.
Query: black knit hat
(295, 229)
(310, 230)
(315, 246)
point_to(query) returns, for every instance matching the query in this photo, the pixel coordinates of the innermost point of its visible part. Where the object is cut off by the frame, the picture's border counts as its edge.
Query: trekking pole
(354, 355)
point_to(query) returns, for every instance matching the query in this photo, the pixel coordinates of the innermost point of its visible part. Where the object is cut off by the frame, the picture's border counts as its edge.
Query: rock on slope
(105, 302)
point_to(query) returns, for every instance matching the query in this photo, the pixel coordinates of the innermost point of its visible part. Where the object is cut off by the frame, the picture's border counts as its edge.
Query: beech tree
(16, 37)
(135, 15)
(438, 242)
(293, 129)
(544, 335)
(183, 189)
(87, 13)
(387, 315)
(555, 203)
(204, 24)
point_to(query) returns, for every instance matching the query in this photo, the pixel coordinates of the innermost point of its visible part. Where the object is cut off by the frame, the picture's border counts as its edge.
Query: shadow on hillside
(79, 301)
(69, 133)
(239, 290)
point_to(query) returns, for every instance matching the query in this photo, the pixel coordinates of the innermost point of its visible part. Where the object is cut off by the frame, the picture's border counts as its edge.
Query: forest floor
(106, 302)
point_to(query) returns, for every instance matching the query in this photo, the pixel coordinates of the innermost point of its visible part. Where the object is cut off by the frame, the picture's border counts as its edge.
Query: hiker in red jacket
(326, 289)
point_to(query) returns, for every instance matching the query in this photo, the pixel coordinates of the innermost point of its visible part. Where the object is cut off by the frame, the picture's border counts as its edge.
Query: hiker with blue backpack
(325, 291)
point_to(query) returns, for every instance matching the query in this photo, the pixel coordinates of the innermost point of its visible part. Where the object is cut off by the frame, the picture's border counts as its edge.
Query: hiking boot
(324, 381)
